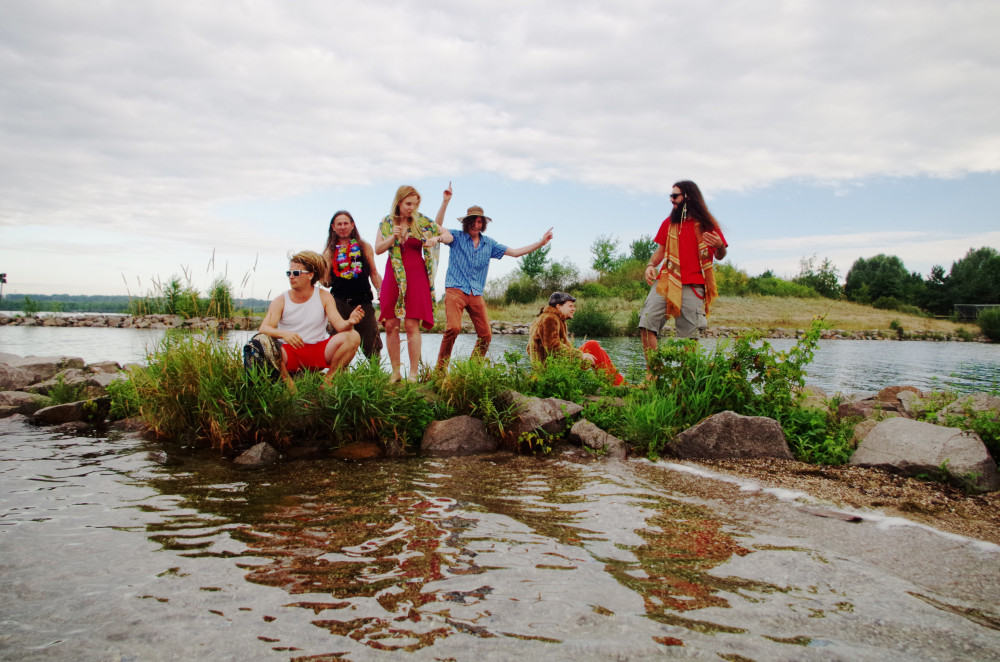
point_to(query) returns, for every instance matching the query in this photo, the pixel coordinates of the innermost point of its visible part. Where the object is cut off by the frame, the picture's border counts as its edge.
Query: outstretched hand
(547, 237)
(447, 193)
(356, 315)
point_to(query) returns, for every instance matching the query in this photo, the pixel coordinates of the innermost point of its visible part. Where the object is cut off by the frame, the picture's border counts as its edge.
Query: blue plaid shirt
(467, 265)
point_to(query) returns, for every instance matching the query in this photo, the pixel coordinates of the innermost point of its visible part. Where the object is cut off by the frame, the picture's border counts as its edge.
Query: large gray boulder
(461, 435)
(531, 413)
(590, 436)
(731, 435)
(914, 447)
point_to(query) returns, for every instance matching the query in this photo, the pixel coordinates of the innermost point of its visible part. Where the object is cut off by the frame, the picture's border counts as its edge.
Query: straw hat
(475, 210)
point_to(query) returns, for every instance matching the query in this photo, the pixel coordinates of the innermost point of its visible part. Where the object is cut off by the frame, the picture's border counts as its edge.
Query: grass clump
(196, 389)
(61, 392)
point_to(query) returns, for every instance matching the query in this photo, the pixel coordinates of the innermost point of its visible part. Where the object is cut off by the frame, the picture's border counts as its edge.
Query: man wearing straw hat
(471, 252)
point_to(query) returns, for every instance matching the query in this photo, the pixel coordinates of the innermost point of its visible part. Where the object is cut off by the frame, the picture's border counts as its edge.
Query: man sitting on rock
(298, 319)
(549, 336)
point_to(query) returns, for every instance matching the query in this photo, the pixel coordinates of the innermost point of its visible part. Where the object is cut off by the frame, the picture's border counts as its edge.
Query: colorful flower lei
(347, 261)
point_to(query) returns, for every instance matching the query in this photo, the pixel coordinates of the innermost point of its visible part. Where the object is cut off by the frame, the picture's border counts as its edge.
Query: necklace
(347, 260)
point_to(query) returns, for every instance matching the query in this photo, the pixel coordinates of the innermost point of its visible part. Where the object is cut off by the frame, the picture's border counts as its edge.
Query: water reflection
(114, 549)
(405, 554)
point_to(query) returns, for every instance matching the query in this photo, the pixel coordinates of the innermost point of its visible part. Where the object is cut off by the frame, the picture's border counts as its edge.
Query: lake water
(122, 550)
(839, 365)
(114, 548)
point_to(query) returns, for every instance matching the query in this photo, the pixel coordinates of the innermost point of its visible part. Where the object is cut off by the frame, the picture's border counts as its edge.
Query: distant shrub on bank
(989, 323)
(591, 320)
(777, 287)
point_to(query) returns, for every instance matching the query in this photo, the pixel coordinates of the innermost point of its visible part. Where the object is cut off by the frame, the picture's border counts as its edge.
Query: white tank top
(306, 319)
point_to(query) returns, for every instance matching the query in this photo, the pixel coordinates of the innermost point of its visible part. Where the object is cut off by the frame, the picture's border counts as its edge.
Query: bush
(731, 281)
(564, 377)
(522, 290)
(776, 287)
(593, 290)
(591, 320)
(989, 323)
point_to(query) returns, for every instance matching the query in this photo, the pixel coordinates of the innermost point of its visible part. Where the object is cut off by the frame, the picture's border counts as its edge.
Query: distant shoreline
(499, 327)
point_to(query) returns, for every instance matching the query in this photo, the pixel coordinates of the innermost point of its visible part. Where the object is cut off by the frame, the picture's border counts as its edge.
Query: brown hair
(696, 207)
(313, 261)
(469, 220)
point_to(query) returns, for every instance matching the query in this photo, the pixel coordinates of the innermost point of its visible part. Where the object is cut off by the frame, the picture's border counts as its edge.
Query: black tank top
(355, 289)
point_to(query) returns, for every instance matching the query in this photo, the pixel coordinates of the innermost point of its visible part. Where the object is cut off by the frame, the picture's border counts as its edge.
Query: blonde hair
(402, 193)
(316, 263)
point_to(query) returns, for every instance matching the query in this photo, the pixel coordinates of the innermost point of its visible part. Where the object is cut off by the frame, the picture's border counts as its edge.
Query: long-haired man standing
(684, 287)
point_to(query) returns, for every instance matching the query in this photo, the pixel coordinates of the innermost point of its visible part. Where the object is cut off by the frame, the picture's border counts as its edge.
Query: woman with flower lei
(408, 288)
(351, 276)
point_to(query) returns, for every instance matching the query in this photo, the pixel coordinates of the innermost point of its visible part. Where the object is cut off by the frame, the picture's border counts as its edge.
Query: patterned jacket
(549, 336)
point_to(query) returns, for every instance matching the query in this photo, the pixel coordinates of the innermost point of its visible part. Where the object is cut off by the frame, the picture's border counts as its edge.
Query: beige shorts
(689, 323)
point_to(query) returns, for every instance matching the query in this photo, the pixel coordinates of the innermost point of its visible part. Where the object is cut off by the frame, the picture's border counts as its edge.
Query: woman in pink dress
(408, 287)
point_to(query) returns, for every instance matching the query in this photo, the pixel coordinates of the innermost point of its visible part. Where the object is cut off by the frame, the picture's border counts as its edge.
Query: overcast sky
(139, 138)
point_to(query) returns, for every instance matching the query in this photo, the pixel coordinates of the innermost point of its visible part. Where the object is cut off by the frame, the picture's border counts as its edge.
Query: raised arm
(439, 219)
(530, 248)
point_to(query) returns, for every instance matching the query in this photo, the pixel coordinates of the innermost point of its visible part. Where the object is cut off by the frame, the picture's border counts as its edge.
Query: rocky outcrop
(530, 413)
(460, 435)
(732, 435)
(590, 436)
(24, 381)
(913, 448)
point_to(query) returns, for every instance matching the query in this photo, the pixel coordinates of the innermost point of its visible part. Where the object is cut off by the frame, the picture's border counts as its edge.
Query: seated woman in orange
(549, 336)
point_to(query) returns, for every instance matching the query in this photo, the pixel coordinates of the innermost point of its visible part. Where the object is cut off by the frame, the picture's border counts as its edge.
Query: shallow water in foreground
(839, 365)
(123, 550)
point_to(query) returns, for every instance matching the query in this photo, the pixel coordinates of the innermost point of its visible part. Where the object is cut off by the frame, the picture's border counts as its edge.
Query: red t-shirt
(687, 244)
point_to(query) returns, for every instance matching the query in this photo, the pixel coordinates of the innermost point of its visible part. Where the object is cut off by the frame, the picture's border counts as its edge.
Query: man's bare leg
(285, 377)
(340, 351)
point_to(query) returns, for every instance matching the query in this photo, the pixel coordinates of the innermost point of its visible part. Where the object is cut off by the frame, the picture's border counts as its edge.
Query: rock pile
(27, 382)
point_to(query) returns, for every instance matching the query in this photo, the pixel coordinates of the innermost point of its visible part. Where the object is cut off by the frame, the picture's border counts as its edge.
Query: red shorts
(307, 357)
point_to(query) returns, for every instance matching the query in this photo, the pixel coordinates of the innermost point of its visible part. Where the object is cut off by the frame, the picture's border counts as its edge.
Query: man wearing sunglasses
(684, 288)
(298, 320)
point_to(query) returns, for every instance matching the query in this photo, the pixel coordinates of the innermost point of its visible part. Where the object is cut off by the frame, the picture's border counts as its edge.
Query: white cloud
(144, 117)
